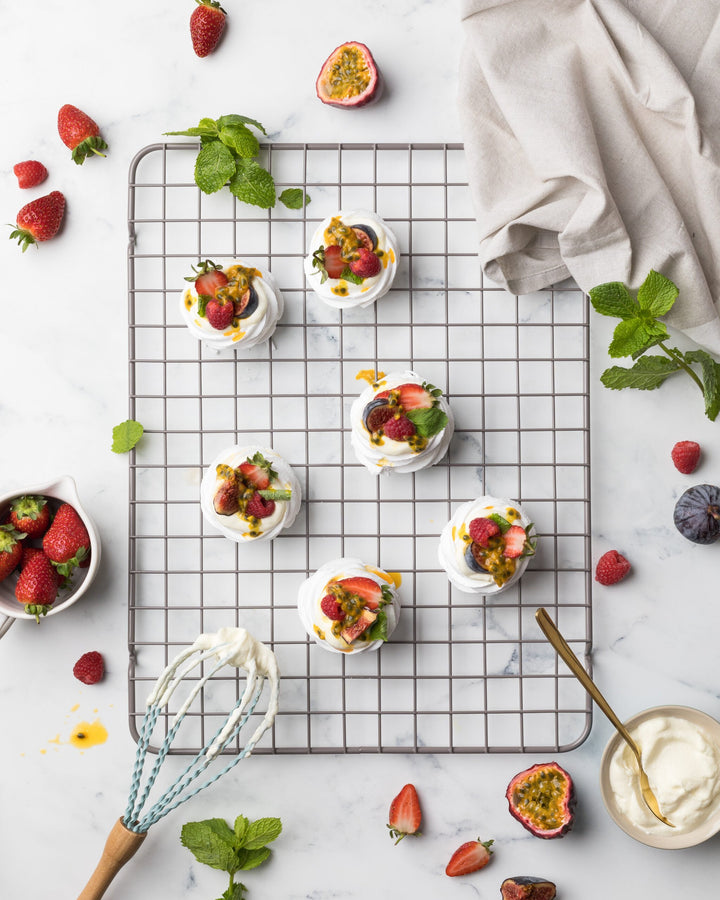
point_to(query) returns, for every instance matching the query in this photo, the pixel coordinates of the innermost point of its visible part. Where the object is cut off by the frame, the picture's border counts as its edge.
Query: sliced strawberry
(410, 396)
(332, 609)
(469, 857)
(481, 530)
(334, 263)
(405, 814)
(399, 428)
(352, 632)
(515, 538)
(365, 588)
(258, 507)
(254, 475)
(208, 278)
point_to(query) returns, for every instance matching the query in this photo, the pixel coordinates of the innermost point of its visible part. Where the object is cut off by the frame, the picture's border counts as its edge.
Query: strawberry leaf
(126, 435)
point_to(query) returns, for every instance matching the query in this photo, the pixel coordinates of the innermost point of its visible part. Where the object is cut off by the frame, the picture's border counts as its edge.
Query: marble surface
(64, 350)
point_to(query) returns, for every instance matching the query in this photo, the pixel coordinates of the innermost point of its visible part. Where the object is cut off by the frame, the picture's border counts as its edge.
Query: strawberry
(405, 814)
(411, 396)
(469, 857)
(220, 313)
(331, 608)
(515, 539)
(334, 262)
(37, 585)
(67, 542)
(365, 588)
(80, 133)
(611, 568)
(27, 554)
(90, 668)
(258, 507)
(207, 24)
(257, 472)
(39, 220)
(31, 515)
(481, 530)
(686, 455)
(399, 428)
(30, 173)
(11, 550)
(366, 265)
(208, 278)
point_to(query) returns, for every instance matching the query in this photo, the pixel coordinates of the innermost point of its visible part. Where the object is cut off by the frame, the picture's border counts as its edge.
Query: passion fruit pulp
(542, 799)
(349, 77)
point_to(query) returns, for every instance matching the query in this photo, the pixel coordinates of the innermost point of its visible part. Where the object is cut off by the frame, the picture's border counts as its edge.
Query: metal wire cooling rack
(461, 673)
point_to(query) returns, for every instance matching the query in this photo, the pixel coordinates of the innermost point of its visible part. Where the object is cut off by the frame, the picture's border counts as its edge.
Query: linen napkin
(592, 137)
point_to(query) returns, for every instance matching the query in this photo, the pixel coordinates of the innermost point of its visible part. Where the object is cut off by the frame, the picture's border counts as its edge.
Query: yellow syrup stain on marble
(88, 734)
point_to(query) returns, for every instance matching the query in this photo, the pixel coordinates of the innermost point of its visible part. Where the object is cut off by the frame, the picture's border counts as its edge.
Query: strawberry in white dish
(349, 607)
(250, 494)
(486, 545)
(352, 259)
(235, 307)
(400, 423)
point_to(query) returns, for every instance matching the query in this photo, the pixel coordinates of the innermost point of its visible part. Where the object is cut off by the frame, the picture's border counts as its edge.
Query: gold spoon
(550, 631)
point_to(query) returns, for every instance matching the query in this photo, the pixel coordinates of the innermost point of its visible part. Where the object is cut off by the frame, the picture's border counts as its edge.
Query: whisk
(228, 646)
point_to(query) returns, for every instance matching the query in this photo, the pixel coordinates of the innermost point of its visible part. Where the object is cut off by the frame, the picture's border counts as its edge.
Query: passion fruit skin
(527, 887)
(542, 799)
(697, 514)
(369, 94)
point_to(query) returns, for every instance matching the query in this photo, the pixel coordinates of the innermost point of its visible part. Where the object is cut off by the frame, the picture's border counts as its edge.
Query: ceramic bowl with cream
(680, 749)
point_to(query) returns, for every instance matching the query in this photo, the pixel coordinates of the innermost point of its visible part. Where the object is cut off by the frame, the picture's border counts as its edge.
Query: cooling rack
(461, 673)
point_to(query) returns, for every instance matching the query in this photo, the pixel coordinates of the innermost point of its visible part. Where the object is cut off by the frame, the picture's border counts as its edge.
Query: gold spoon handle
(576, 667)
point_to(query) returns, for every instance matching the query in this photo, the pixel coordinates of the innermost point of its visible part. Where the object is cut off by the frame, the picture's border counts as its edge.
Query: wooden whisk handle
(120, 847)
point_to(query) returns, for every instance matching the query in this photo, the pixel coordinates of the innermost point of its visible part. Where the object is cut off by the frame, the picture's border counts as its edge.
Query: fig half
(697, 514)
(349, 77)
(527, 887)
(542, 799)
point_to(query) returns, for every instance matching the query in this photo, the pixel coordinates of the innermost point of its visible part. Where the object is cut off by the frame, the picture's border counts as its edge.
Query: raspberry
(366, 265)
(399, 429)
(90, 668)
(481, 530)
(331, 607)
(259, 507)
(686, 455)
(611, 568)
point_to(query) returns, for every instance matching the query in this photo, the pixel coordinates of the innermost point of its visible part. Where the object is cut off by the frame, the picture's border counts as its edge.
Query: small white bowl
(62, 490)
(669, 839)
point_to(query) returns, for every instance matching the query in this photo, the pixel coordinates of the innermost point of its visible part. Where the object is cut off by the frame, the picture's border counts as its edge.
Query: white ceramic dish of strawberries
(62, 490)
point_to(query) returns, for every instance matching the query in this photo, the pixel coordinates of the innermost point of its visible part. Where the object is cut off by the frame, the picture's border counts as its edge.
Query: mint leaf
(224, 121)
(253, 184)
(501, 522)
(348, 274)
(236, 891)
(214, 166)
(275, 495)
(250, 859)
(378, 631)
(294, 198)
(241, 827)
(613, 299)
(126, 435)
(387, 595)
(428, 422)
(632, 336)
(711, 381)
(241, 140)
(207, 846)
(656, 294)
(203, 300)
(261, 832)
(648, 373)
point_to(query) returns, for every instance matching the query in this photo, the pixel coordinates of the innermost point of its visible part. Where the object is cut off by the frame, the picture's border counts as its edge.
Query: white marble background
(63, 345)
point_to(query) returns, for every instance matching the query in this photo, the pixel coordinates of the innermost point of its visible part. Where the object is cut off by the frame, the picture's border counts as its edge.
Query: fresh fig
(542, 799)
(527, 887)
(349, 77)
(474, 558)
(376, 414)
(697, 514)
(367, 236)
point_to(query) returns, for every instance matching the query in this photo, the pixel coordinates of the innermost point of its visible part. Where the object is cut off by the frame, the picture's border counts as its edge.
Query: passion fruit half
(542, 799)
(349, 77)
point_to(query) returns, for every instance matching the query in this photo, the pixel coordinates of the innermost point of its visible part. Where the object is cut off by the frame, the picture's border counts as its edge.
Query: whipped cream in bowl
(250, 493)
(400, 423)
(349, 607)
(680, 750)
(258, 305)
(352, 231)
(486, 545)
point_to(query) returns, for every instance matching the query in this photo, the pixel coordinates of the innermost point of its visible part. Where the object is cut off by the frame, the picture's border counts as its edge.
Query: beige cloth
(592, 135)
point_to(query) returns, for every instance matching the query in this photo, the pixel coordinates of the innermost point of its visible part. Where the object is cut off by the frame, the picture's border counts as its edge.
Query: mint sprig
(427, 421)
(347, 274)
(227, 157)
(213, 843)
(378, 631)
(640, 329)
(275, 495)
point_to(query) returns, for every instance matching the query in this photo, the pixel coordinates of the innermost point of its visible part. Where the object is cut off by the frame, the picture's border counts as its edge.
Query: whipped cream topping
(248, 332)
(384, 454)
(236, 526)
(312, 591)
(344, 294)
(454, 541)
(228, 647)
(683, 767)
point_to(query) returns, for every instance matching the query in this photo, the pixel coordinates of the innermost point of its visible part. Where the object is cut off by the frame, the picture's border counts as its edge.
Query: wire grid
(461, 673)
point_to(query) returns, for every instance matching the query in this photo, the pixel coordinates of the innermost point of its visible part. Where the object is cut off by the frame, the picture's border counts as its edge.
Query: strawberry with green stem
(67, 542)
(208, 279)
(405, 814)
(39, 220)
(37, 585)
(31, 515)
(11, 549)
(80, 133)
